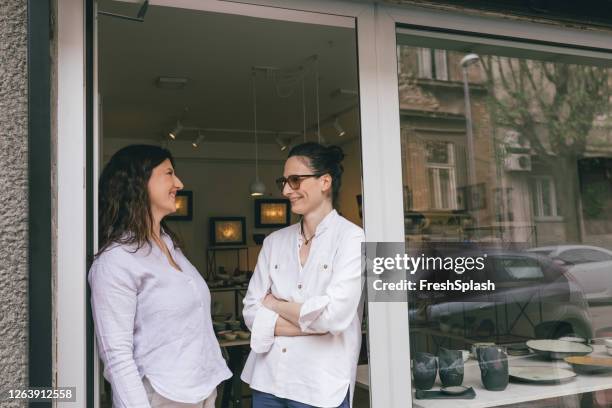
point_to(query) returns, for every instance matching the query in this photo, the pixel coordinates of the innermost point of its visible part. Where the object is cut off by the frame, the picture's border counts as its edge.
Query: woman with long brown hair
(151, 307)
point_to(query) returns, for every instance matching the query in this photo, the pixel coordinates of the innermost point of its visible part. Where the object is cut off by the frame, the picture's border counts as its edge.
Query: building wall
(14, 197)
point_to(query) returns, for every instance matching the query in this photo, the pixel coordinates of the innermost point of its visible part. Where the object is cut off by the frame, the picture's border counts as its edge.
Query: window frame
(538, 198)
(454, 25)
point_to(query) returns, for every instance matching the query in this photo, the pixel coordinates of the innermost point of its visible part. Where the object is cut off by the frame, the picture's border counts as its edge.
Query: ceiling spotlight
(283, 143)
(176, 131)
(164, 82)
(339, 129)
(198, 140)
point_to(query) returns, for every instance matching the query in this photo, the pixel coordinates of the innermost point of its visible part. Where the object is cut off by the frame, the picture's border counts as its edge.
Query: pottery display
(493, 363)
(243, 335)
(476, 346)
(590, 365)
(541, 375)
(558, 349)
(451, 367)
(425, 369)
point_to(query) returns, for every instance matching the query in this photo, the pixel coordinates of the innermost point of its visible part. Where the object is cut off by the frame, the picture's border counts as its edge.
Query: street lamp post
(466, 61)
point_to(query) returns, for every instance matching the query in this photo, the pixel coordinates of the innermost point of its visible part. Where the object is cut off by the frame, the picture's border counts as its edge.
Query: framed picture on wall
(227, 231)
(272, 213)
(184, 206)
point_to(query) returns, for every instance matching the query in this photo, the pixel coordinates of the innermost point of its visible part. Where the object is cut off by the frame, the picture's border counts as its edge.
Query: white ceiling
(216, 53)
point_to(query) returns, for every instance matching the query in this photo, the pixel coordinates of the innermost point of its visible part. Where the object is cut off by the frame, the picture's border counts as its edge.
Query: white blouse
(316, 370)
(153, 320)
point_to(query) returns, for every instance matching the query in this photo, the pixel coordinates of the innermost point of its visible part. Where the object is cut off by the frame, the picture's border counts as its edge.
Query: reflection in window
(533, 182)
(543, 197)
(580, 256)
(432, 64)
(441, 174)
(521, 268)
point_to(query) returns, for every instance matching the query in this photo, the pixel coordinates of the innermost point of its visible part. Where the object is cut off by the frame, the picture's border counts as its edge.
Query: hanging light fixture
(173, 134)
(198, 140)
(339, 128)
(283, 143)
(258, 188)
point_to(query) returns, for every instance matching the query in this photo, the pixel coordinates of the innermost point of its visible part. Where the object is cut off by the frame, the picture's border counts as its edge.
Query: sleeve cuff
(311, 310)
(262, 334)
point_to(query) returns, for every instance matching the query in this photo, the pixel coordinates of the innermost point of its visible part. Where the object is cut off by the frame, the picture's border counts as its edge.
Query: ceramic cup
(478, 345)
(493, 363)
(451, 367)
(424, 370)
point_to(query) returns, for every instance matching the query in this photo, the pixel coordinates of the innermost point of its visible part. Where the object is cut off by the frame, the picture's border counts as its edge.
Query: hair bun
(336, 153)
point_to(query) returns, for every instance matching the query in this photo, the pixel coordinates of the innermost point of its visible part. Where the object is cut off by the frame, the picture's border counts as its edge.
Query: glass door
(193, 62)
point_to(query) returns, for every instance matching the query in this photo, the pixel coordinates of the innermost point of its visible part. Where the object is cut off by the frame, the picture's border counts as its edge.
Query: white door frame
(388, 380)
(70, 293)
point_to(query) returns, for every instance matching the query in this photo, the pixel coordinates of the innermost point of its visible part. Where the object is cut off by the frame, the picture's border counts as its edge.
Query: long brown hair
(124, 206)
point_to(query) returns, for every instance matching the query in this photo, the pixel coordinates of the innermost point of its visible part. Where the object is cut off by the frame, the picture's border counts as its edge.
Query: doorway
(229, 90)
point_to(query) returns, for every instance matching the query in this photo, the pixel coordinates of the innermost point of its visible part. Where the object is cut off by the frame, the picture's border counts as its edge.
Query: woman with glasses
(151, 307)
(303, 305)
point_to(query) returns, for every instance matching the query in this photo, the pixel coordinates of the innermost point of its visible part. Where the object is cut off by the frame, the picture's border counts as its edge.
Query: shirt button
(300, 286)
(325, 266)
(275, 266)
(284, 350)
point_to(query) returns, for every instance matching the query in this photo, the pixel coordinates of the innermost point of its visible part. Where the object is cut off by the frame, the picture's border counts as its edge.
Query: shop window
(514, 162)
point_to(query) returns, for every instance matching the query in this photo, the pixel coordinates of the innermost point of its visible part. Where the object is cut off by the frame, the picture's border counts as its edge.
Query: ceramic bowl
(233, 324)
(574, 339)
(219, 326)
(243, 335)
(608, 342)
(229, 335)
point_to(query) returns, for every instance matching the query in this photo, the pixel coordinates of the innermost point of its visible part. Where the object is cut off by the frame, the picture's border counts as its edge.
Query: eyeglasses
(294, 180)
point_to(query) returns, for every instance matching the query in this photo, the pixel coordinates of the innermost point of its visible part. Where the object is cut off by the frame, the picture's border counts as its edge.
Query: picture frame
(272, 213)
(184, 206)
(227, 231)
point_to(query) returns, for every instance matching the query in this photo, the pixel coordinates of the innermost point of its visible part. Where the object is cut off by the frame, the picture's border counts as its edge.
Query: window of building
(432, 64)
(543, 197)
(440, 163)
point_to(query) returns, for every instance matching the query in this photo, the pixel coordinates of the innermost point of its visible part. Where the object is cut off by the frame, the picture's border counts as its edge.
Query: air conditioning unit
(518, 162)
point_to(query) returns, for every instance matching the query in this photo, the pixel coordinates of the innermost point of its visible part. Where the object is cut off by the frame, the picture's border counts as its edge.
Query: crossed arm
(288, 315)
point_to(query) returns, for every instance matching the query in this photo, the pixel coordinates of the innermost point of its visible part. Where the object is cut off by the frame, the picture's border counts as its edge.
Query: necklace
(306, 240)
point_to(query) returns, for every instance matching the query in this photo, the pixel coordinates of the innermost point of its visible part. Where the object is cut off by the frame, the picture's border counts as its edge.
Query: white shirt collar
(325, 223)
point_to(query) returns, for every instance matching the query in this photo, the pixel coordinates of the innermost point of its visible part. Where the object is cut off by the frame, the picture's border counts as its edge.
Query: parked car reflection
(591, 266)
(535, 297)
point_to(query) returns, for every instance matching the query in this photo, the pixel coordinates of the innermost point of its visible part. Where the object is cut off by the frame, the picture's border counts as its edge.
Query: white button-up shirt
(153, 320)
(319, 369)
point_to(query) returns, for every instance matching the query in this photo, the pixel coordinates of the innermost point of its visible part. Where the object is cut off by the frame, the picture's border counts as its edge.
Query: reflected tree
(553, 106)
